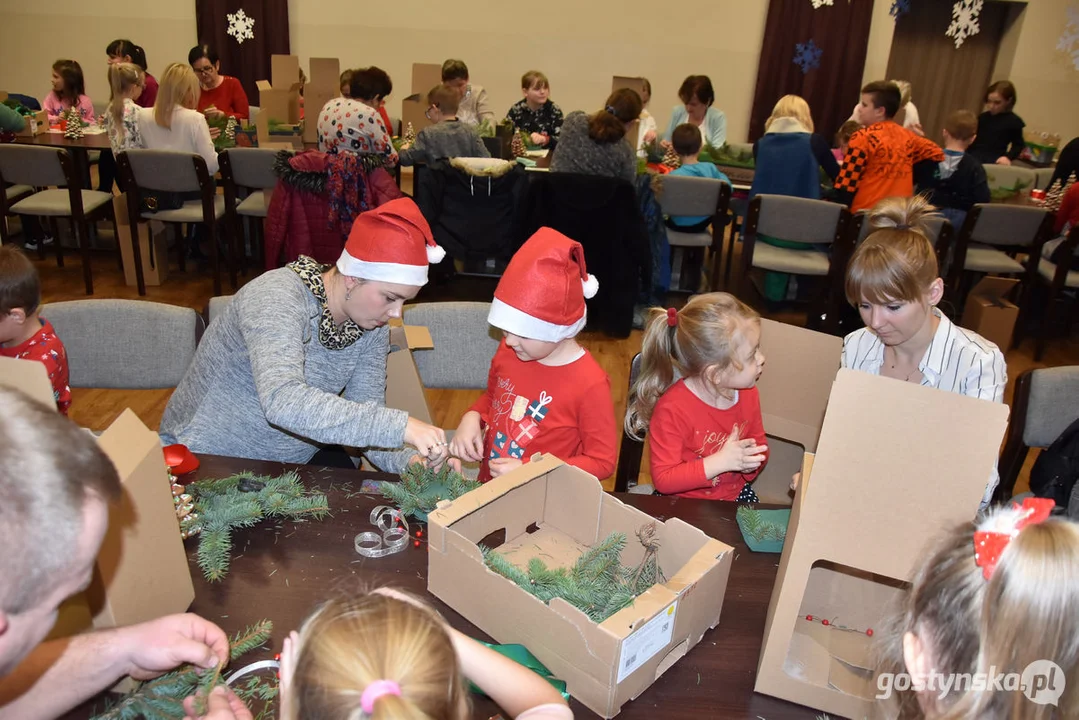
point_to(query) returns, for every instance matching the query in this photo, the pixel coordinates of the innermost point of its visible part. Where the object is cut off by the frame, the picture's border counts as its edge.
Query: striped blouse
(957, 360)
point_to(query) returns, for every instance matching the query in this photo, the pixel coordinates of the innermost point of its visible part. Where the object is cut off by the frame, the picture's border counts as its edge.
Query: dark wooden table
(281, 570)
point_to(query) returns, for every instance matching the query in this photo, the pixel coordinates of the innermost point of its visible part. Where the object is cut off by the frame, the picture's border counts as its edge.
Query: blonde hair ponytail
(967, 624)
(349, 643)
(896, 261)
(122, 77)
(701, 336)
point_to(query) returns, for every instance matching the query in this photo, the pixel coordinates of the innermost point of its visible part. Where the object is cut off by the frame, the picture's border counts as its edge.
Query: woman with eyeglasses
(222, 95)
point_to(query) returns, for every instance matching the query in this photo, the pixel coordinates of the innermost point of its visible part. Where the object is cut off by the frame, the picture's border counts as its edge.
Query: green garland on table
(162, 698)
(421, 489)
(598, 584)
(240, 501)
(725, 155)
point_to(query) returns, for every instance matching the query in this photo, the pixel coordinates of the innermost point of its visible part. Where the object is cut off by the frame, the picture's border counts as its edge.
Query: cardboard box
(323, 85)
(550, 508)
(404, 389)
(869, 501)
(800, 366)
(29, 377)
(153, 246)
(279, 97)
(283, 137)
(36, 124)
(989, 313)
(424, 77)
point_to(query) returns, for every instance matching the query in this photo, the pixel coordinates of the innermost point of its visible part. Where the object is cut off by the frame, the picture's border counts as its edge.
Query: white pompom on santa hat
(541, 295)
(392, 243)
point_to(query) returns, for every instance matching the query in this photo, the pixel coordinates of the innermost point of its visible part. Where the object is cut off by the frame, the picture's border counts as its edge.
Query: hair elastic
(902, 226)
(609, 109)
(672, 317)
(374, 691)
(989, 545)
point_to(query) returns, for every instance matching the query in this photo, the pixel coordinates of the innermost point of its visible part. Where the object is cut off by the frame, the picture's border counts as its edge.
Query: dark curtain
(250, 60)
(841, 31)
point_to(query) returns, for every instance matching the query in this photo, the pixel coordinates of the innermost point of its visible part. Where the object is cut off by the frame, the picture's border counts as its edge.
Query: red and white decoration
(392, 243)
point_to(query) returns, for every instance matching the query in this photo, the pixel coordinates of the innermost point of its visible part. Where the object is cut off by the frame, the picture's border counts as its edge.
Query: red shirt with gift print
(566, 411)
(685, 429)
(46, 348)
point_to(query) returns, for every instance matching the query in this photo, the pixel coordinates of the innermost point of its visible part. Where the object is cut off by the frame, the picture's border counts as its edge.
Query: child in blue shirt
(686, 140)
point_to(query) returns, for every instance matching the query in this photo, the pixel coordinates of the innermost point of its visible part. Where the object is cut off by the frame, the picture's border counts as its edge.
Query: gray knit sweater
(262, 386)
(578, 153)
(447, 139)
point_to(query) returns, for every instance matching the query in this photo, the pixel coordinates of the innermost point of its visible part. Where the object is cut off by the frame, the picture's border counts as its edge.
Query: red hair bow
(672, 317)
(989, 545)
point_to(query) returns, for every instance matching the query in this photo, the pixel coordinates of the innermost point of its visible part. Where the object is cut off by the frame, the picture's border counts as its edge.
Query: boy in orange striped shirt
(880, 158)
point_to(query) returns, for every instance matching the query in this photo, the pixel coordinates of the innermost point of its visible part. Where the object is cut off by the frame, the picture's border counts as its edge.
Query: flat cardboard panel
(989, 313)
(424, 77)
(142, 570)
(284, 70)
(568, 506)
(29, 377)
(315, 98)
(325, 73)
(412, 111)
(153, 246)
(404, 389)
(870, 505)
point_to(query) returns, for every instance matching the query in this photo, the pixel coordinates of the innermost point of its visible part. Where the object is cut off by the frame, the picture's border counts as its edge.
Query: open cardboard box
(800, 366)
(323, 85)
(424, 77)
(552, 509)
(35, 124)
(895, 464)
(404, 389)
(279, 97)
(989, 313)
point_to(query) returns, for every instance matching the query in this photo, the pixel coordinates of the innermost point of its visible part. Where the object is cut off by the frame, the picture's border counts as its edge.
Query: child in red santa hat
(545, 393)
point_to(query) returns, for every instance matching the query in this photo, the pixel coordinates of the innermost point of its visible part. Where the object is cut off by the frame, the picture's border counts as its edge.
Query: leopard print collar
(331, 335)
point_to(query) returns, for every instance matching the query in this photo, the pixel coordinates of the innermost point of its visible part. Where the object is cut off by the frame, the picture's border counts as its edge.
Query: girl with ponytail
(121, 117)
(705, 430)
(596, 144)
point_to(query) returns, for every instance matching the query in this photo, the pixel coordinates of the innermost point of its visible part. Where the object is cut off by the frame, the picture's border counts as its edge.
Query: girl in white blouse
(126, 82)
(893, 280)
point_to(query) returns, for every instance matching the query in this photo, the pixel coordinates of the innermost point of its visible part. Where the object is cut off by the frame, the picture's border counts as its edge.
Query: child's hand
(406, 146)
(538, 139)
(467, 442)
(1004, 160)
(650, 136)
(737, 455)
(288, 661)
(795, 479)
(917, 129)
(501, 466)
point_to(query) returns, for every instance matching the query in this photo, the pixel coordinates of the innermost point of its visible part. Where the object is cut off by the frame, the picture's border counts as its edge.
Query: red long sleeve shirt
(684, 430)
(565, 411)
(228, 97)
(46, 348)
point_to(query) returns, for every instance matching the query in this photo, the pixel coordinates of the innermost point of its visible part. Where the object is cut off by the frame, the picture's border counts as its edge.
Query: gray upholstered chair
(168, 171)
(811, 223)
(216, 306)
(464, 343)
(989, 230)
(1042, 177)
(53, 168)
(1058, 276)
(248, 171)
(1011, 177)
(1046, 402)
(695, 197)
(129, 344)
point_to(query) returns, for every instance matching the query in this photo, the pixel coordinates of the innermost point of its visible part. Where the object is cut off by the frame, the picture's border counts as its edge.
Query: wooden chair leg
(136, 251)
(1046, 324)
(81, 229)
(234, 238)
(54, 228)
(181, 249)
(215, 260)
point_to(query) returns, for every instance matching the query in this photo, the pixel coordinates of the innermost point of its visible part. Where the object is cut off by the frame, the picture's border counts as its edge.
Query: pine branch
(421, 489)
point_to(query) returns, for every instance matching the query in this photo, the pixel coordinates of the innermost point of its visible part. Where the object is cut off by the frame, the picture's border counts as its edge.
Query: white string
(392, 539)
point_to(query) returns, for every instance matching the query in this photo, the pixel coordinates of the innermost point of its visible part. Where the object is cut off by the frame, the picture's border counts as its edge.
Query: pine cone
(671, 159)
(517, 145)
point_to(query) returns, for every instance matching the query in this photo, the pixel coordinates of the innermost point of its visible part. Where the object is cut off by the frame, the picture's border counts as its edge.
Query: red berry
(419, 533)
(809, 618)
(869, 632)
(416, 544)
(825, 622)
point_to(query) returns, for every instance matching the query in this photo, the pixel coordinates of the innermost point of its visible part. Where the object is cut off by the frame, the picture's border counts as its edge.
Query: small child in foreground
(545, 393)
(387, 655)
(991, 598)
(23, 333)
(705, 430)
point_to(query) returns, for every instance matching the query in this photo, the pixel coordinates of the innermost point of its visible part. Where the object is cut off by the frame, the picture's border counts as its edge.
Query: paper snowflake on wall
(241, 26)
(1069, 39)
(899, 8)
(807, 56)
(817, 4)
(964, 20)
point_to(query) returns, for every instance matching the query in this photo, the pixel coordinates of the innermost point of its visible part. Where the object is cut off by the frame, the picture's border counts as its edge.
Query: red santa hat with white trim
(392, 243)
(541, 295)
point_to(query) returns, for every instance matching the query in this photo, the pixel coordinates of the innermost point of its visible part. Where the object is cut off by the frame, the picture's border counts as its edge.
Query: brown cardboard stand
(424, 77)
(895, 464)
(279, 101)
(404, 389)
(605, 664)
(153, 246)
(989, 313)
(799, 368)
(29, 377)
(324, 85)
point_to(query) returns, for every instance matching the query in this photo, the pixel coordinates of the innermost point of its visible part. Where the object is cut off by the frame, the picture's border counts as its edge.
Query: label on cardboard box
(646, 641)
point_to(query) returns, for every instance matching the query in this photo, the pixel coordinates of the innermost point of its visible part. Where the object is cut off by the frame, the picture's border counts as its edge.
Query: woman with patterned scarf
(296, 364)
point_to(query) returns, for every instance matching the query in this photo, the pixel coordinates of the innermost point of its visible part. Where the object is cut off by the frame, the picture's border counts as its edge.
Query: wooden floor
(96, 409)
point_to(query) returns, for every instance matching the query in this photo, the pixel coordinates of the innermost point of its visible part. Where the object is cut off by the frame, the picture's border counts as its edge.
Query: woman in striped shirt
(893, 280)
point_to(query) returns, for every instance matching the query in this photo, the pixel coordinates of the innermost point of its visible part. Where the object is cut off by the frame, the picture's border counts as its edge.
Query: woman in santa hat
(297, 361)
(545, 393)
